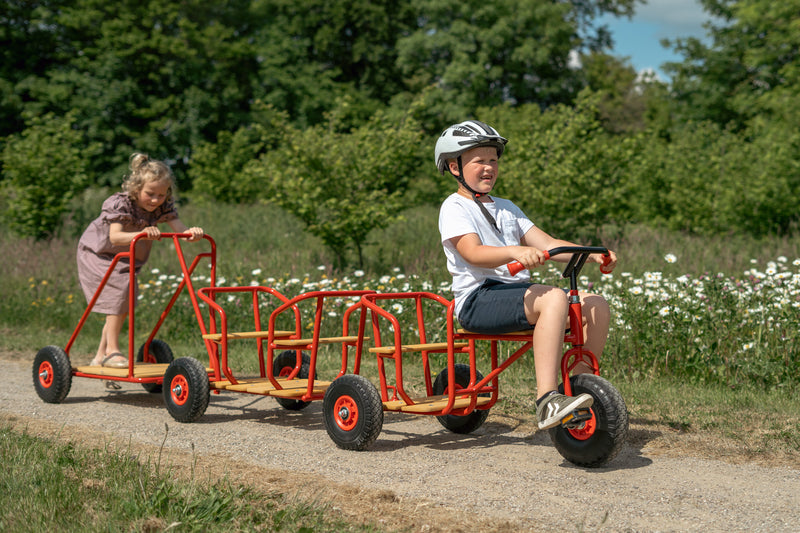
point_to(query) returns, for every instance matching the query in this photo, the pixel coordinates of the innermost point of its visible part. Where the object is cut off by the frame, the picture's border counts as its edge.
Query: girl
(145, 202)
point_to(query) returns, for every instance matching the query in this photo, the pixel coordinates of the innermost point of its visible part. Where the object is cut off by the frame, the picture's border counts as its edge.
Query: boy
(480, 234)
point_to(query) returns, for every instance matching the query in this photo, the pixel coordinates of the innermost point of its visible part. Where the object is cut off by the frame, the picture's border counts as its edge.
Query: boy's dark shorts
(495, 307)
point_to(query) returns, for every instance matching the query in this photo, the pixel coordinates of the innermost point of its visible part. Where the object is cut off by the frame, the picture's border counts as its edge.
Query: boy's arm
(476, 253)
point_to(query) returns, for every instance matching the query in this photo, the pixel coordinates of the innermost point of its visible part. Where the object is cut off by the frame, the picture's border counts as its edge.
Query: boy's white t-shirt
(459, 216)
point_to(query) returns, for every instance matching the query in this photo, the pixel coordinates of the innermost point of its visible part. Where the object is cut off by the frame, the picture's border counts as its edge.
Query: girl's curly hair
(145, 170)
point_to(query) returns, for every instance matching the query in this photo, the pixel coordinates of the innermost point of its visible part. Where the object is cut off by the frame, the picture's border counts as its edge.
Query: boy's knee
(551, 299)
(596, 306)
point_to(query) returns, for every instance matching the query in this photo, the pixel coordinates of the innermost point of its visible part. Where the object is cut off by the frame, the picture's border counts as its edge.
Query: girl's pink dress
(95, 250)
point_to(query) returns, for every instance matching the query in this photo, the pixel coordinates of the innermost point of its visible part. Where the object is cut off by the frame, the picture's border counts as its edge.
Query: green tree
(152, 76)
(750, 69)
(217, 170)
(509, 51)
(343, 185)
(44, 167)
(563, 169)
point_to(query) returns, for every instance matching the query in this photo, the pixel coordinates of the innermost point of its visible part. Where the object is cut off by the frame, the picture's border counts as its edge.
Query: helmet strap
(475, 195)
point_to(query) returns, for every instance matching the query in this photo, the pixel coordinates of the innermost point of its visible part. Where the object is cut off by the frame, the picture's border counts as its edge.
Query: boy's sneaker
(556, 407)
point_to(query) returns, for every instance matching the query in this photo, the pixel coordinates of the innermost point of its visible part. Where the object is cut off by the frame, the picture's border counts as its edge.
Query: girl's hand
(197, 234)
(152, 232)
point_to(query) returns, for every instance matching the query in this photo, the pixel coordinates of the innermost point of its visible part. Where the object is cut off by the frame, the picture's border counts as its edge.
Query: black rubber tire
(163, 354)
(52, 374)
(466, 423)
(186, 389)
(281, 366)
(604, 436)
(353, 412)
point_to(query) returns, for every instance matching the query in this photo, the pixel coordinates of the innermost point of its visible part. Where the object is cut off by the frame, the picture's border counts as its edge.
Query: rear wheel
(353, 412)
(186, 389)
(598, 440)
(282, 366)
(52, 374)
(466, 423)
(162, 353)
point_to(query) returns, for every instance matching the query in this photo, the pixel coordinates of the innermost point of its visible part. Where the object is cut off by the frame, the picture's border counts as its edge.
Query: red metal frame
(573, 356)
(186, 281)
(313, 345)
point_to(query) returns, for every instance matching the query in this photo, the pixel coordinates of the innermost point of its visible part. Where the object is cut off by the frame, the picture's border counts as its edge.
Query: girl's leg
(111, 332)
(596, 317)
(101, 350)
(546, 307)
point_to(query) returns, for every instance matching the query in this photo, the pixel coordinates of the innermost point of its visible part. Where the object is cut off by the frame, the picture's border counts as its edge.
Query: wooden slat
(431, 404)
(405, 348)
(291, 388)
(140, 370)
(246, 335)
(527, 332)
(287, 343)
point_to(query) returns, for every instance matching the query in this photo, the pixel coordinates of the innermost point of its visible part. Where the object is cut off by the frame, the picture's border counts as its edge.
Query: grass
(52, 484)
(704, 347)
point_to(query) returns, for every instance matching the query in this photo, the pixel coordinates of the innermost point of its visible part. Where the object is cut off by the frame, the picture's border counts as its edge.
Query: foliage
(749, 70)
(44, 166)
(219, 90)
(217, 169)
(711, 180)
(342, 185)
(562, 168)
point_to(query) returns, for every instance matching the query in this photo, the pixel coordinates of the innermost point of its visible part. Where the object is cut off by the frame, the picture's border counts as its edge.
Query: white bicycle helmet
(463, 136)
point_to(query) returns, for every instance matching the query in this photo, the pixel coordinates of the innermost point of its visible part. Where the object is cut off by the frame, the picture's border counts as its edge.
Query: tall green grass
(705, 310)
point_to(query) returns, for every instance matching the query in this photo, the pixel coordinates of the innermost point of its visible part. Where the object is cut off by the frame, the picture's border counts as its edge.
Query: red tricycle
(460, 396)
(52, 370)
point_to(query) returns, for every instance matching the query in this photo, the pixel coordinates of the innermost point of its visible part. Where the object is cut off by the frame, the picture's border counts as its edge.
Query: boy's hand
(530, 257)
(607, 262)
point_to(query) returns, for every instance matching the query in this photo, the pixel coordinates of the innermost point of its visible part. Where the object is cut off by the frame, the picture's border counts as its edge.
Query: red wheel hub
(179, 390)
(345, 413)
(46, 374)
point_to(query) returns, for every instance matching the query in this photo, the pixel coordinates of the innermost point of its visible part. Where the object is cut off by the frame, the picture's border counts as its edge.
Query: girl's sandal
(110, 363)
(113, 385)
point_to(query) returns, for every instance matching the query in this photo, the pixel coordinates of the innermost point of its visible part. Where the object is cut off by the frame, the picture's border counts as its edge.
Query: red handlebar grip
(515, 268)
(606, 261)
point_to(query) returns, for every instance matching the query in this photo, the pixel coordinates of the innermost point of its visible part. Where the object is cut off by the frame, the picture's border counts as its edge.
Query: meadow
(703, 341)
(700, 310)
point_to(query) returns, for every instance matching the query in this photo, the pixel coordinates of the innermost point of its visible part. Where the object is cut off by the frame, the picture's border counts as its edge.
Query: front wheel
(353, 412)
(162, 353)
(186, 389)
(52, 374)
(600, 438)
(282, 366)
(466, 423)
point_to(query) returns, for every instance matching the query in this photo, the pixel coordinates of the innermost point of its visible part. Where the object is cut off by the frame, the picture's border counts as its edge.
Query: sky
(639, 39)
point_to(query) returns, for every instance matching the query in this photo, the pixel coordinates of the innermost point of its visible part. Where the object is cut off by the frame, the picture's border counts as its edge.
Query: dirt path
(504, 477)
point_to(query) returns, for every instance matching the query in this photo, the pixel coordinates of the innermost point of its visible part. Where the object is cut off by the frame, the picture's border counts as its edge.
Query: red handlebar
(515, 267)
